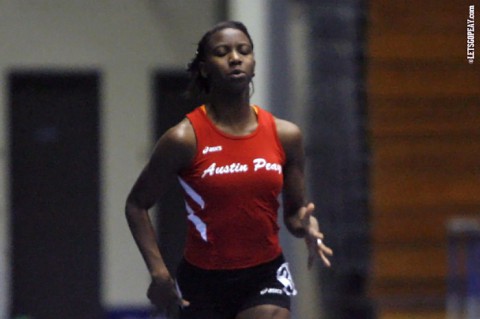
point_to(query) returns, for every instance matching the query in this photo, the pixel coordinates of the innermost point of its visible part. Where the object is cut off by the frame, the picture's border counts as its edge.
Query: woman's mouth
(236, 74)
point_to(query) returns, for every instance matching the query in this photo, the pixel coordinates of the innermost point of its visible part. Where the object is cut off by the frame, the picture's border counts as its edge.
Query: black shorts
(222, 294)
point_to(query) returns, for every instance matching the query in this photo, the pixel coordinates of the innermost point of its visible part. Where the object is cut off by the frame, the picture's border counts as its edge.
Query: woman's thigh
(264, 312)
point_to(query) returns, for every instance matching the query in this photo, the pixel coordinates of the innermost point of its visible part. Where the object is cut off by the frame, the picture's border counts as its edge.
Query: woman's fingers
(165, 296)
(323, 251)
(314, 238)
(317, 248)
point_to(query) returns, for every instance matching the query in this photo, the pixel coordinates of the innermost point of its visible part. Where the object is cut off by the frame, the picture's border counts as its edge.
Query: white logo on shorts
(274, 291)
(285, 278)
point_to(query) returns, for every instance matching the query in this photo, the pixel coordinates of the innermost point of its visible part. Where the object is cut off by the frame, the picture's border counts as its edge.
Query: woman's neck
(231, 108)
(232, 114)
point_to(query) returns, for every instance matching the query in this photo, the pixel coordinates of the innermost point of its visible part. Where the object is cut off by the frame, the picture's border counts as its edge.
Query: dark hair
(198, 85)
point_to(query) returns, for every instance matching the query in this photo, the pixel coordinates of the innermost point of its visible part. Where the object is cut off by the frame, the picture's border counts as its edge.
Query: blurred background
(385, 95)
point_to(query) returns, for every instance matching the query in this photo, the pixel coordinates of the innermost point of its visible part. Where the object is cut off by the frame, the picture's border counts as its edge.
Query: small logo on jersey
(212, 149)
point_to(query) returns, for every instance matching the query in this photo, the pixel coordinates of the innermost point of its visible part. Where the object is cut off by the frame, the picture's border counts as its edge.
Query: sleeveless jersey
(231, 194)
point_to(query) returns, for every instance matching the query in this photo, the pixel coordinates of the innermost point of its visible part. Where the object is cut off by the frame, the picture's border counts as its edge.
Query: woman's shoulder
(290, 137)
(287, 131)
(177, 142)
(181, 133)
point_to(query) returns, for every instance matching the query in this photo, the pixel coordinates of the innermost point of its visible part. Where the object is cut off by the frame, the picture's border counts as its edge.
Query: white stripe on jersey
(199, 224)
(192, 193)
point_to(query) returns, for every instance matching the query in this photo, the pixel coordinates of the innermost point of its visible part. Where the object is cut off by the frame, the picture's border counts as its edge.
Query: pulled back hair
(199, 86)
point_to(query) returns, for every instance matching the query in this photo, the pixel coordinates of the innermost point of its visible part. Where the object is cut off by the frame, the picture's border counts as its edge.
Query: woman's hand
(164, 295)
(313, 237)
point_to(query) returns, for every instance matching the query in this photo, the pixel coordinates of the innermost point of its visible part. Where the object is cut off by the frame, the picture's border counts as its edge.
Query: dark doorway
(171, 106)
(54, 182)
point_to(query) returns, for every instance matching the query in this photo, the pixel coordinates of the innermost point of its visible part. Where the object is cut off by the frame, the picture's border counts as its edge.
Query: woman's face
(229, 60)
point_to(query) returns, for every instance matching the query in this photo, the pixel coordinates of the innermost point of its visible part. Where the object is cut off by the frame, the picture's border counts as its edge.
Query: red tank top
(231, 194)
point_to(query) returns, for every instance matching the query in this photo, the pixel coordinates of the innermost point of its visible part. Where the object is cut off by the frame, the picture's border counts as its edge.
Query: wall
(125, 40)
(425, 139)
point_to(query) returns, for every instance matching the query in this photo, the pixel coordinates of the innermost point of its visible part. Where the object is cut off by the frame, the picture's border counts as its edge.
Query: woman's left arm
(298, 215)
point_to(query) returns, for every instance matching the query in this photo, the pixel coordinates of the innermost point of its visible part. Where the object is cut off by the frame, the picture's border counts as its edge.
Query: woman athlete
(232, 159)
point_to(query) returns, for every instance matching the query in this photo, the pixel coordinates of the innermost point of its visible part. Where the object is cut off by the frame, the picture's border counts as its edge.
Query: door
(54, 183)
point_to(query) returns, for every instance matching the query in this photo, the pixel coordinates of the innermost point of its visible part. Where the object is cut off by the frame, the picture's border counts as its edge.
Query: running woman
(232, 159)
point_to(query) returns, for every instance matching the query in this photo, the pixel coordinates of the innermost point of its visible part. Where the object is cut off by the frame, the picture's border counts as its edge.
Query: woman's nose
(234, 57)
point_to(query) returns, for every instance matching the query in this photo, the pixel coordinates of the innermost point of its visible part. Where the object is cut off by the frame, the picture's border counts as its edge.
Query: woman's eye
(245, 49)
(220, 51)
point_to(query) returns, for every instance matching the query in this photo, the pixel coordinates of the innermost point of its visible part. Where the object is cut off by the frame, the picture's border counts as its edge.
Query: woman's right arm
(173, 151)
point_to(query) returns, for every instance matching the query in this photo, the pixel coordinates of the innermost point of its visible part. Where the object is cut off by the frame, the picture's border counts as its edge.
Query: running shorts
(222, 294)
